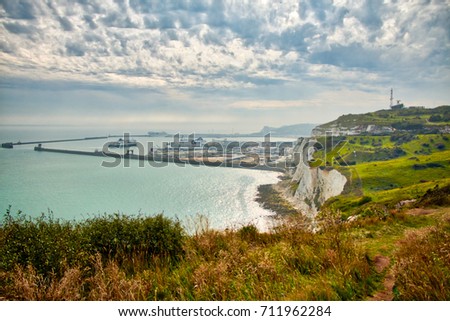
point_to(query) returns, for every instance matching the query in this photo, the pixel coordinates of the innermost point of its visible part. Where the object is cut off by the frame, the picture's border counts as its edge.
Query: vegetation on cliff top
(413, 118)
(379, 180)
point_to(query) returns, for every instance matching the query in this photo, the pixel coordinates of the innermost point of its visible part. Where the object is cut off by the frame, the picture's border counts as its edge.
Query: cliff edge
(315, 185)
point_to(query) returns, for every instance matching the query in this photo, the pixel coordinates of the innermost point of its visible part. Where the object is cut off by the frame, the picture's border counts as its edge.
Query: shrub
(440, 146)
(364, 200)
(435, 118)
(427, 165)
(46, 243)
(248, 233)
(402, 137)
(50, 245)
(375, 210)
(407, 126)
(435, 197)
(115, 236)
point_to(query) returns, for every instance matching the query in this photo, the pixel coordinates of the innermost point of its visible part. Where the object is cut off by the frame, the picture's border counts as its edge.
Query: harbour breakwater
(162, 160)
(11, 144)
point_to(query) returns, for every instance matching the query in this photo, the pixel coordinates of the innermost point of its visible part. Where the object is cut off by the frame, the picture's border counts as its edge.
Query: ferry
(121, 143)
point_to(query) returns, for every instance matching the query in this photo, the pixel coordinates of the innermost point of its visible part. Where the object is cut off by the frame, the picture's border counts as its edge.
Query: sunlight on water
(76, 187)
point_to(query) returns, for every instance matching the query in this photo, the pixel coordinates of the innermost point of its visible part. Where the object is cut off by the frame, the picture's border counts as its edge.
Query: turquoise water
(76, 187)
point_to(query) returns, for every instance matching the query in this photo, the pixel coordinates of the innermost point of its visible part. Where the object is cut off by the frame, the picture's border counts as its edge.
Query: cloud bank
(232, 56)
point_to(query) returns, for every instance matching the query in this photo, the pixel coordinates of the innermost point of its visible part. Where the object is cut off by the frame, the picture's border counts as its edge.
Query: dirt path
(381, 264)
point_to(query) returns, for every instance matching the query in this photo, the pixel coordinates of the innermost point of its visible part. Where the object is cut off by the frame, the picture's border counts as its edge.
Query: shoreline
(270, 197)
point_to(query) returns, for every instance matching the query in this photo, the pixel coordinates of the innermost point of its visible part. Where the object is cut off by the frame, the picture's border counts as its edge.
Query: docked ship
(158, 134)
(121, 143)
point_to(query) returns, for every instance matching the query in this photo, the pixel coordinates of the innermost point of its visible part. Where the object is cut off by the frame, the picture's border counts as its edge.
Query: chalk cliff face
(315, 185)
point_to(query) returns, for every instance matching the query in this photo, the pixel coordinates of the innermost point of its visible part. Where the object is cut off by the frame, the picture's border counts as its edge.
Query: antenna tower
(392, 98)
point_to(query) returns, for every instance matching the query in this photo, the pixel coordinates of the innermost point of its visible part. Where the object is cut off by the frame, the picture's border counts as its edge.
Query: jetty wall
(10, 144)
(162, 159)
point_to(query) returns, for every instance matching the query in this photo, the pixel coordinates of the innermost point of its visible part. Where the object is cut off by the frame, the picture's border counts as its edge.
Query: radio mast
(392, 98)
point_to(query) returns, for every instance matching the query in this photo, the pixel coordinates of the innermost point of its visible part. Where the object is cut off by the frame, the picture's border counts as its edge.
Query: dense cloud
(225, 44)
(20, 9)
(219, 43)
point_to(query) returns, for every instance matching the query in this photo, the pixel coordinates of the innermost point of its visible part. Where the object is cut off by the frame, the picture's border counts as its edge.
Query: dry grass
(27, 284)
(227, 265)
(106, 283)
(290, 263)
(110, 283)
(422, 266)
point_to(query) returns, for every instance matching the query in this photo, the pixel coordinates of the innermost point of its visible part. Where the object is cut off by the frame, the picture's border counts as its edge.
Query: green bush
(365, 199)
(51, 245)
(438, 196)
(375, 210)
(249, 233)
(117, 235)
(427, 165)
(46, 243)
(435, 118)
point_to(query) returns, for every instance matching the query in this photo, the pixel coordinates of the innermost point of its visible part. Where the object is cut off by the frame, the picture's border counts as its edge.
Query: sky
(225, 66)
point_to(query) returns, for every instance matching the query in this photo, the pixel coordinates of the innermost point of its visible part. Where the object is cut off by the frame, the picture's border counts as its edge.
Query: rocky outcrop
(315, 185)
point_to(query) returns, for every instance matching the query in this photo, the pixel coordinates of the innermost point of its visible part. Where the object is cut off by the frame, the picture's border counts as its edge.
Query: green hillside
(418, 119)
(398, 173)
(384, 170)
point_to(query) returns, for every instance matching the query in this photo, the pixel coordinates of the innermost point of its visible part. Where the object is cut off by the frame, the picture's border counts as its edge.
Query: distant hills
(297, 130)
(414, 119)
(386, 121)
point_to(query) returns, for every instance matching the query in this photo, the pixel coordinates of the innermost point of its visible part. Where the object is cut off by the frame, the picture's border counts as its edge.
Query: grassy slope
(422, 239)
(399, 173)
(389, 181)
(336, 263)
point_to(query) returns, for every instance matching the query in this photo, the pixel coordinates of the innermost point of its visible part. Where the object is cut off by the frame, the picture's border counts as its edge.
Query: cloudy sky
(217, 65)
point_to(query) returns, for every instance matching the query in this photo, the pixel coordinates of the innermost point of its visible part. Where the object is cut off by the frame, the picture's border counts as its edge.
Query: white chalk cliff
(315, 185)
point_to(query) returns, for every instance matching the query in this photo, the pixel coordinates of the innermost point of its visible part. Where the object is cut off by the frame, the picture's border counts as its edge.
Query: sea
(76, 187)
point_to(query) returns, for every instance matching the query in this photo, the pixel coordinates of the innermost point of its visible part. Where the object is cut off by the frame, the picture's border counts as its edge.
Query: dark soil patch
(271, 199)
